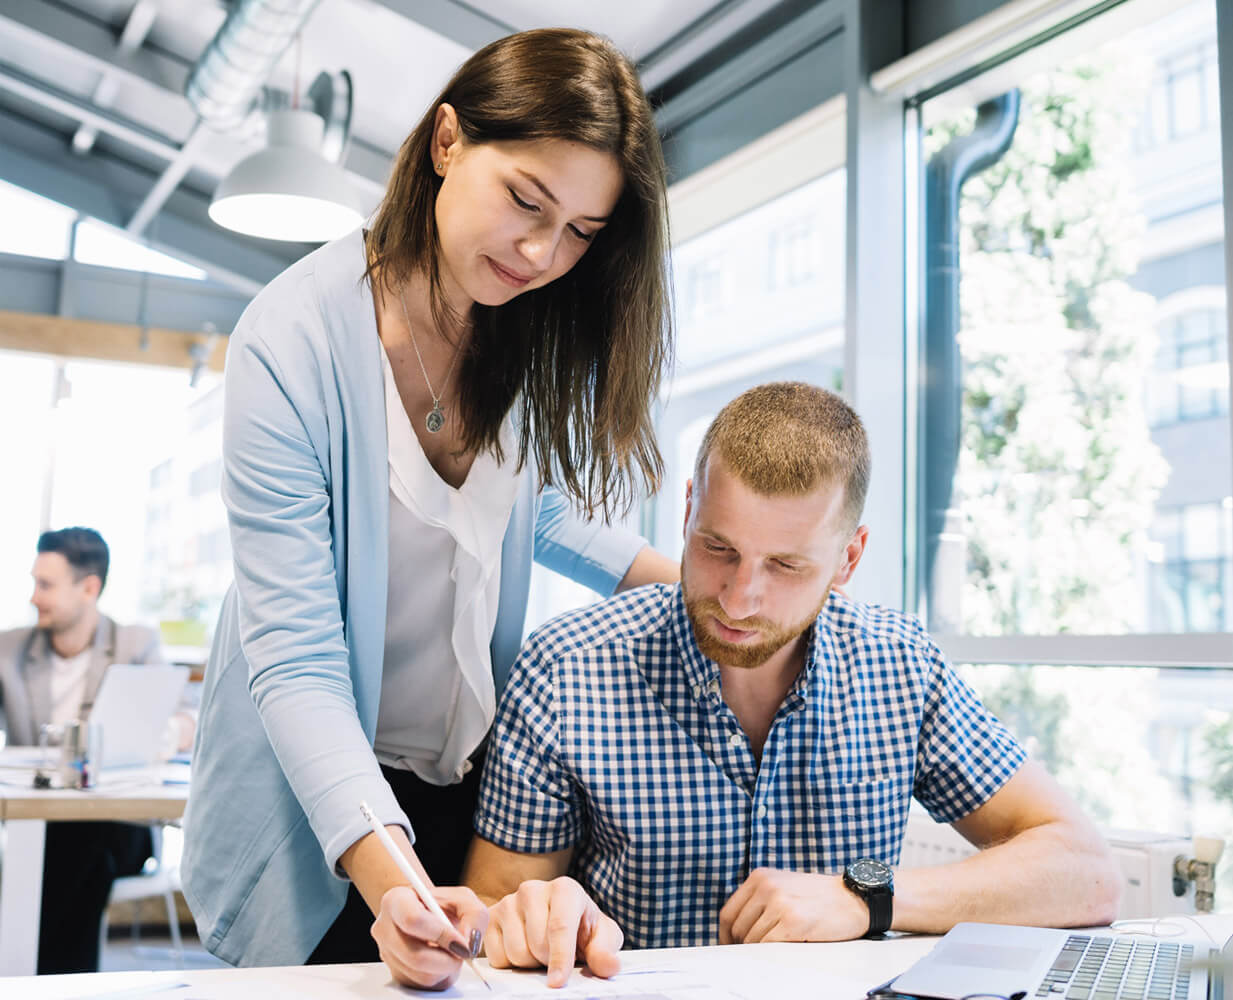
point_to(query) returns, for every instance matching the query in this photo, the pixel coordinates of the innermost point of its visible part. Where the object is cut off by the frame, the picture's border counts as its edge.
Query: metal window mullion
(1224, 59)
(1207, 650)
(874, 361)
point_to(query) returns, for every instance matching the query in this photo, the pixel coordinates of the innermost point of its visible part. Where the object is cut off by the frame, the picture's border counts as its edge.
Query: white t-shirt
(438, 699)
(68, 685)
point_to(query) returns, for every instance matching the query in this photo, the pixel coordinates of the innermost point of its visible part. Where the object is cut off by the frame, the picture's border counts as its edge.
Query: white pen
(412, 876)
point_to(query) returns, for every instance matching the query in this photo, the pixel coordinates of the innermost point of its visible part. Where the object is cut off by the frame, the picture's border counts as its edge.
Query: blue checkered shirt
(612, 739)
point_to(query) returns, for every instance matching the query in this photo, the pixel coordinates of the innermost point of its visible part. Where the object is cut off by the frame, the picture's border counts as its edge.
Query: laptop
(1031, 963)
(133, 705)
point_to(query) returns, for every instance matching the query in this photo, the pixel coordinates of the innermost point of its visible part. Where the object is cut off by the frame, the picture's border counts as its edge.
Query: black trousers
(441, 818)
(80, 862)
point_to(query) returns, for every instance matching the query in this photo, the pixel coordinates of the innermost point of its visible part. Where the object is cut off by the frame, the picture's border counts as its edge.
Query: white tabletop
(138, 795)
(841, 971)
(742, 972)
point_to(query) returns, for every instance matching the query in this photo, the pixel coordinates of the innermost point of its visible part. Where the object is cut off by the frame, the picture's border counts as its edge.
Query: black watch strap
(881, 906)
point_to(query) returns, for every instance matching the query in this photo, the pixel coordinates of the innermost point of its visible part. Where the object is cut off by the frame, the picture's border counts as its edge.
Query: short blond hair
(790, 438)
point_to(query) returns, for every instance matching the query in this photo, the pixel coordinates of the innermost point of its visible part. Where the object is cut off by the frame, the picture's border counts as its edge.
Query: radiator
(1146, 861)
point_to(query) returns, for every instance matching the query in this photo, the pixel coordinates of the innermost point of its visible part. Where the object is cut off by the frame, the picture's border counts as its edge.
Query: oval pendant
(435, 420)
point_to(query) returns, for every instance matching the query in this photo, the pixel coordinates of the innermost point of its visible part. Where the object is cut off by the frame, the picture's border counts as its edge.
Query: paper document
(736, 973)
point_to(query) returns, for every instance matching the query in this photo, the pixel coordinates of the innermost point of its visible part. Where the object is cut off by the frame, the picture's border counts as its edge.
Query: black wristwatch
(874, 882)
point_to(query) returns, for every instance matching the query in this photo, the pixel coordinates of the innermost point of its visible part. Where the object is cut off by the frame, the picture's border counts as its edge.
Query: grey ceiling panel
(459, 22)
(29, 284)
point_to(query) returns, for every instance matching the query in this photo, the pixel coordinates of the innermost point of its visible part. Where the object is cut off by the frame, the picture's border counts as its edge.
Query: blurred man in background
(50, 674)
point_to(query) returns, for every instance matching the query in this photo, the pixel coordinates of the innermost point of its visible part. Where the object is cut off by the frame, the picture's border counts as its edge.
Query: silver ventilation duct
(235, 65)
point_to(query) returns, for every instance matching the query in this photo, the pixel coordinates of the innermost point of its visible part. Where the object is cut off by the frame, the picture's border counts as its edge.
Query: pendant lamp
(288, 191)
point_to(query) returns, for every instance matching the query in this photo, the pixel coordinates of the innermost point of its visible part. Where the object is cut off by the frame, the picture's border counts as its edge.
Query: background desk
(130, 796)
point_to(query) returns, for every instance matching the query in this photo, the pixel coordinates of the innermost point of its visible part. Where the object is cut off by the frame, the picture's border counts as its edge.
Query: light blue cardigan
(289, 711)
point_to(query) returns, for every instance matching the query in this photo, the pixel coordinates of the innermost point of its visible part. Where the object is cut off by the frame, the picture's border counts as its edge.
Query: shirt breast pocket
(862, 819)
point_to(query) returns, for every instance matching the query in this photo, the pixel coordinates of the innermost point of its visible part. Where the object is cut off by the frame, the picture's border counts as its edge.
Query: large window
(130, 450)
(1166, 734)
(116, 448)
(1075, 527)
(1086, 413)
(1192, 361)
(761, 299)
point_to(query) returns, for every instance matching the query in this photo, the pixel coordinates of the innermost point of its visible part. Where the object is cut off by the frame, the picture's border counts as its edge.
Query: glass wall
(1076, 474)
(1090, 491)
(129, 450)
(760, 298)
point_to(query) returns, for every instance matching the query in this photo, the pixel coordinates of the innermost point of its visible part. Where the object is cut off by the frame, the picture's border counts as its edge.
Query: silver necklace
(435, 419)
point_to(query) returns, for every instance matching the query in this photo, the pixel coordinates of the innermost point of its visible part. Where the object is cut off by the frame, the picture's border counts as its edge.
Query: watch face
(869, 874)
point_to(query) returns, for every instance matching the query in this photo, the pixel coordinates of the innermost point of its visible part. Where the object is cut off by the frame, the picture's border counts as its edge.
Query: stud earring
(440, 167)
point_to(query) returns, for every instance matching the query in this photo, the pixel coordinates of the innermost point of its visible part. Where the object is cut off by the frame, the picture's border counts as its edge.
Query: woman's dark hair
(84, 549)
(583, 356)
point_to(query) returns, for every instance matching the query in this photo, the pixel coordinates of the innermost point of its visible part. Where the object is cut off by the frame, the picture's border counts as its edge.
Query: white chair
(160, 877)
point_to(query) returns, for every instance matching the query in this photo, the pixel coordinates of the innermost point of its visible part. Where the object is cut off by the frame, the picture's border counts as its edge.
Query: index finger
(732, 909)
(566, 904)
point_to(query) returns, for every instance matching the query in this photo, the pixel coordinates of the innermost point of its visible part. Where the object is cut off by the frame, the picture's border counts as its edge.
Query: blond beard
(745, 656)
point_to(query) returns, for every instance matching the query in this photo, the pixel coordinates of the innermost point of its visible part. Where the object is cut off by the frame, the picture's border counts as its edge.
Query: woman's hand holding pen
(412, 943)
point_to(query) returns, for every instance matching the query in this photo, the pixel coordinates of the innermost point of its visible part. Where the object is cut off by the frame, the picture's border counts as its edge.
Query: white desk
(755, 972)
(840, 971)
(131, 796)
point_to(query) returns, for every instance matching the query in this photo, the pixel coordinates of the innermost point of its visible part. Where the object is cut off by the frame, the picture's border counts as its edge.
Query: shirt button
(698, 690)
(735, 740)
(761, 812)
(713, 687)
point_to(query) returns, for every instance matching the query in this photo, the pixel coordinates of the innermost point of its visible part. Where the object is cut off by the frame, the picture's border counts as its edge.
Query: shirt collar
(701, 673)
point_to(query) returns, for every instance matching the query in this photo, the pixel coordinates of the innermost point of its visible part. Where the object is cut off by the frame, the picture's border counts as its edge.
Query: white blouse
(437, 694)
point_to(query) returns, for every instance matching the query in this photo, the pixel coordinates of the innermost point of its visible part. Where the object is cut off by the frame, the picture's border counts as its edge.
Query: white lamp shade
(288, 191)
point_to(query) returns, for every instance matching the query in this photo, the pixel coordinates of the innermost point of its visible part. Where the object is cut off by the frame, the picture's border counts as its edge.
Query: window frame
(948, 65)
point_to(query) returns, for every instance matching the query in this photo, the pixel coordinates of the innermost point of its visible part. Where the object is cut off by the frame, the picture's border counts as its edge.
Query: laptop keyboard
(1093, 967)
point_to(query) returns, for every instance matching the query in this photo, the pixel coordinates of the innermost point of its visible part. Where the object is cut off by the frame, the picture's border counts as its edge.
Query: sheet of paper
(712, 974)
(756, 972)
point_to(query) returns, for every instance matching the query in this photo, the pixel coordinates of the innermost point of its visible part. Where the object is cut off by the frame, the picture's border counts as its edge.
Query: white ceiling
(64, 48)
(397, 64)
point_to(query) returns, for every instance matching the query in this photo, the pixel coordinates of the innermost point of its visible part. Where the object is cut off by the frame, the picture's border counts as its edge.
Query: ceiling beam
(54, 99)
(76, 290)
(452, 19)
(140, 21)
(753, 62)
(698, 38)
(66, 35)
(65, 337)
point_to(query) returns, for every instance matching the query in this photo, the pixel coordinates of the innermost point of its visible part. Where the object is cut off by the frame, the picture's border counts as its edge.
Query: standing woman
(411, 413)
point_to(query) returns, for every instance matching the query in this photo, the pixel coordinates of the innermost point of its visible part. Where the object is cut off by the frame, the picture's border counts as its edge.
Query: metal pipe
(228, 77)
(48, 96)
(945, 175)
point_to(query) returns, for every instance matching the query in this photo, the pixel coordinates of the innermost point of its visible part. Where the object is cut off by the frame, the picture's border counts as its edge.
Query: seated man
(732, 759)
(50, 673)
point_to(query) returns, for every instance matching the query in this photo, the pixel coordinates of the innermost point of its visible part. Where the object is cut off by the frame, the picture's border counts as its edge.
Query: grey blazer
(25, 671)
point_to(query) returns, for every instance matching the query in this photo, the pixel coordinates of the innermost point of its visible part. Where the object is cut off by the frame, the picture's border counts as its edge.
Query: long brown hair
(583, 356)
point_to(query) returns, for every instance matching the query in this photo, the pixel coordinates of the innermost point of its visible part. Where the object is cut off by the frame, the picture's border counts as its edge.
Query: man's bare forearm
(493, 872)
(1055, 875)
